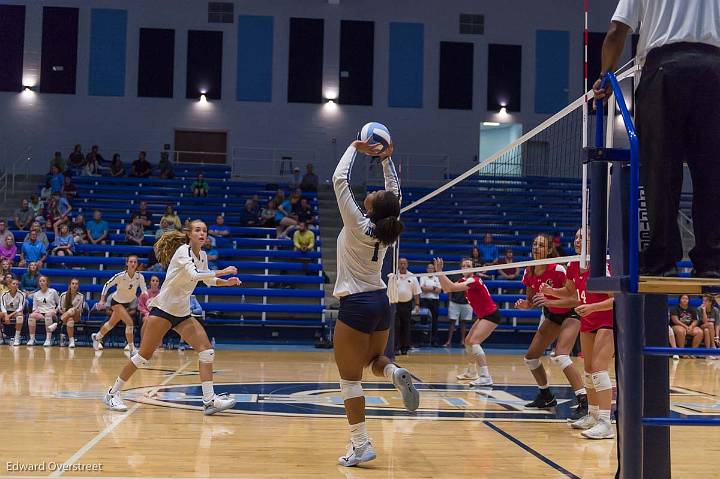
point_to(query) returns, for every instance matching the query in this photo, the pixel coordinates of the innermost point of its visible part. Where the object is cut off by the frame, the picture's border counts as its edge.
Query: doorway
(192, 146)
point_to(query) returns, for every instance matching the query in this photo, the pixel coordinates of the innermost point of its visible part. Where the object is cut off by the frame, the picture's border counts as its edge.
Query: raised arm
(447, 285)
(350, 211)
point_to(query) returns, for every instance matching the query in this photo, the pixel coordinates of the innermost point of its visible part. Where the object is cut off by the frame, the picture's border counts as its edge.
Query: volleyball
(377, 132)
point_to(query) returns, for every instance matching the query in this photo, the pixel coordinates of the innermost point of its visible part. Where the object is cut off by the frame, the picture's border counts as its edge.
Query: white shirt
(184, 273)
(670, 21)
(359, 254)
(10, 303)
(46, 302)
(126, 287)
(429, 282)
(408, 287)
(78, 302)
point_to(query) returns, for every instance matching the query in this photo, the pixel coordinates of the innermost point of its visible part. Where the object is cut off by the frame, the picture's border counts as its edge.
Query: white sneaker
(403, 382)
(133, 350)
(676, 357)
(16, 342)
(585, 422)
(127, 347)
(114, 403)
(482, 381)
(97, 345)
(357, 455)
(71, 343)
(47, 343)
(218, 403)
(52, 327)
(601, 430)
(31, 342)
(467, 375)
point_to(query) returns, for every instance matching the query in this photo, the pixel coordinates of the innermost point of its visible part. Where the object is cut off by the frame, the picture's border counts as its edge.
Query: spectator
(141, 168)
(310, 181)
(267, 216)
(459, 310)
(144, 215)
(509, 273)
(4, 232)
(219, 230)
(40, 234)
(64, 244)
(96, 159)
(59, 162)
(69, 190)
(45, 192)
(200, 187)
(476, 257)
(23, 216)
(57, 211)
(684, 322)
(489, 250)
(304, 239)
(557, 245)
(248, 217)
(32, 251)
(5, 286)
(78, 230)
(408, 295)
(29, 280)
(76, 161)
(57, 179)
(166, 167)
(172, 218)
(134, 232)
(284, 219)
(144, 298)
(5, 267)
(709, 317)
(212, 254)
(117, 168)
(97, 228)
(295, 198)
(8, 249)
(154, 264)
(164, 228)
(305, 212)
(296, 179)
(36, 206)
(256, 205)
(430, 298)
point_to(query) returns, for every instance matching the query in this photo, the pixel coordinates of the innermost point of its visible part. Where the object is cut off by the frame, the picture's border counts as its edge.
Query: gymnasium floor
(288, 421)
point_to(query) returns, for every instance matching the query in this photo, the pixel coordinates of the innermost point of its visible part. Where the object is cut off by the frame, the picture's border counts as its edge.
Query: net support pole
(585, 125)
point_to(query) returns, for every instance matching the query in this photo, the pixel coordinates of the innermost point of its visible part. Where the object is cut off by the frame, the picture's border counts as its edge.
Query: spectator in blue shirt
(212, 254)
(29, 280)
(57, 180)
(33, 251)
(97, 228)
(488, 250)
(64, 244)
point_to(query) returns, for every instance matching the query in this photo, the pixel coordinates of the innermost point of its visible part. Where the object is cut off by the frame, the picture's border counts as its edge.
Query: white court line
(91, 443)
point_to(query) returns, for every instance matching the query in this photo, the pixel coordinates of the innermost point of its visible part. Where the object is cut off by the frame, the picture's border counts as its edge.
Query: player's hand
(540, 300)
(387, 152)
(439, 264)
(229, 271)
(584, 310)
(366, 148)
(601, 94)
(416, 310)
(546, 288)
(233, 281)
(100, 305)
(522, 304)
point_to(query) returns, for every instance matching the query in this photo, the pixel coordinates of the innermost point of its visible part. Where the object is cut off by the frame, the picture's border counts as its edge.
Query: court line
(532, 451)
(91, 443)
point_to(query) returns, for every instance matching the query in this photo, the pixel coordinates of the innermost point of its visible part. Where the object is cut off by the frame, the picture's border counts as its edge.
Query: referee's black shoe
(581, 410)
(544, 400)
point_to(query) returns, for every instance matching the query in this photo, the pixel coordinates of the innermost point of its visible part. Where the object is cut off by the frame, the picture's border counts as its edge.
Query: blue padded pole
(598, 205)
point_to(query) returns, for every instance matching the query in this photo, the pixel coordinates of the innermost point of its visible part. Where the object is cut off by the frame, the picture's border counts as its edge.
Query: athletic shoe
(127, 347)
(31, 342)
(218, 403)
(97, 344)
(16, 342)
(71, 343)
(114, 403)
(133, 350)
(601, 430)
(52, 327)
(676, 357)
(482, 381)
(47, 343)
(581, 410)
(543, 400)
(467, 375)
(357, 455)
(585, 422)
(403, 382)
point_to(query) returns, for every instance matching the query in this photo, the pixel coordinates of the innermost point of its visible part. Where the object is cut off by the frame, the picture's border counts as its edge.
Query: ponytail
(387, 230)
(386, 217)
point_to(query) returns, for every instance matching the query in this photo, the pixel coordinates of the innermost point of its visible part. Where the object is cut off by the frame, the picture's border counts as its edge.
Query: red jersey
(554, 276)
(479, 297)
(599, 319)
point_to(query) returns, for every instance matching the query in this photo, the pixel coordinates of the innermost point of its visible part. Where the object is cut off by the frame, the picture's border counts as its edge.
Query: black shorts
(366, 312)
(124, 305)
(174, 320)
(559, 318)
(494, 317)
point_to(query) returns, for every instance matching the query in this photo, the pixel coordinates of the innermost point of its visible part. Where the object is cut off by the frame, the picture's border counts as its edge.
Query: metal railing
(9, 175)
(413, 170)
(270, 164)
(128, 155)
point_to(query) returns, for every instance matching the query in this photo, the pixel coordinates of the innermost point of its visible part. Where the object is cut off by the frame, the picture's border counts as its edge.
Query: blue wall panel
(405, 82)
(254, 58)
(108, 49)
(552, 66)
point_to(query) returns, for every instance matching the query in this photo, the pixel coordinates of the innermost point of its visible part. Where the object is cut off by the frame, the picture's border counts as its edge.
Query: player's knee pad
(351, 389)
(19, 319)
(562, 361)
(533, 364)
(70, 323)
(601, 381)
(588, 381)
(138, 360)
(207, 356)
(477, 350)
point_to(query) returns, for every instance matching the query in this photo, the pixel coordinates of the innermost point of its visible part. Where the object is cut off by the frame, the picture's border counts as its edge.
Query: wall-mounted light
(203, 98)
(503, 110)
(490, 123)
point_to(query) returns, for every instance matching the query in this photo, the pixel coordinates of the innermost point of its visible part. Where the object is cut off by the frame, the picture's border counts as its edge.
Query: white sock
(32, 336)
(604, 415)
(359, 434)
(117, 386)
(17, 334)
(484, 371)
(581, 391)
(388, 372)
(208, 390)
(593, 411)
(544, 386)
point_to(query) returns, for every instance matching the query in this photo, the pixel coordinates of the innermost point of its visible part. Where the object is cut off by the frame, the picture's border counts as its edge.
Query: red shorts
(595, 321)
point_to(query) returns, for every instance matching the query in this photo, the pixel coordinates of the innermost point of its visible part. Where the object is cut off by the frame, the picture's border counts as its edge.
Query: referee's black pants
(678, 120)
(432, 305)
(402, 326)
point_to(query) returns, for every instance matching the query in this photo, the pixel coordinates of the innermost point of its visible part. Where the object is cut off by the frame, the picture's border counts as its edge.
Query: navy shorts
(124, 305)
(559, 318)
(174, 320)
(366, 312)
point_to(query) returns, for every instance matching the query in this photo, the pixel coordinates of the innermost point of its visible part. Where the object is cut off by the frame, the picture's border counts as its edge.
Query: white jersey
(10, 303)
(126, 286)
(46, 302)
(78, 302)
(184, 273)
(429, 282)
(359, 254)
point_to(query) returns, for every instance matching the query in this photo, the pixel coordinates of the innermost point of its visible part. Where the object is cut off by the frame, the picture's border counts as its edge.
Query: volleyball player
(561, 323)
(12, 305)
(181, 253)
(484, 308)
(72, 303)
(361, 331)
(127, 283)
(45, 304)
(596, 339)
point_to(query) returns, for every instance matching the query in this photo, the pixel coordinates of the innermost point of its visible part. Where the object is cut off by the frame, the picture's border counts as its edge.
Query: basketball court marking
(89, 445)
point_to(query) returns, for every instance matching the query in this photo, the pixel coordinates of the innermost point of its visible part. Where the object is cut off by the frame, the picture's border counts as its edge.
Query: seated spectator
(172, 218)
(557, 245)
(78, 230)
(29, 280)
(165, 226)
(57, 211)
(59, 162)
(709, 317)
(303, 239)
(37, 228)
(57, 179)
(488, 250)
(134, 231)
(212, 254)
(117, 168)
(510, 273)
(76, 161)
(69, 190)
(310, 181)
(8, 249)
(200, 187)
(477, 261)
(166, 167)
(5, 267)
(284, 219)
(64, 244)
(5, 232)
(141, 168)
(248, 217)
(684, 322)
(296, 179)
(219, 230)
(97, 229)
(97, 161)
(32, 251)
(152, 291)
(256, 205)
(45, 192)
(295, 198)
(144, 215)
(36, 206)
(305, 212)
(23, 216)
(267, 215)
(5, 283)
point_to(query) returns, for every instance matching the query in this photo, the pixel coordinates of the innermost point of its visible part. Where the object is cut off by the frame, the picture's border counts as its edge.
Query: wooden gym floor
(288, 422)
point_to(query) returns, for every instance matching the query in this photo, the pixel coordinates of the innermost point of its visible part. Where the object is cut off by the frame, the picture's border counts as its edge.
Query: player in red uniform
(560, 322)
(484, 308)
(596, 339)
